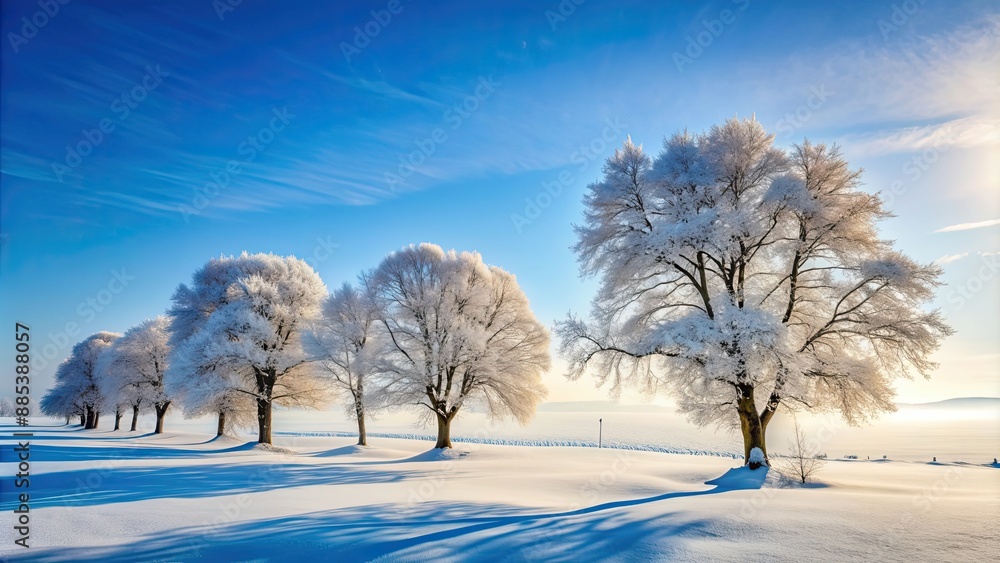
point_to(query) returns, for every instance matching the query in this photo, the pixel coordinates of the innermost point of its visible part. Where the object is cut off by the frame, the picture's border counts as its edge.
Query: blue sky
(338, 135)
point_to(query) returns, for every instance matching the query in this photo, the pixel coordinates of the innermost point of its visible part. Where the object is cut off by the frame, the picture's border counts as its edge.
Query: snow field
(104, 496)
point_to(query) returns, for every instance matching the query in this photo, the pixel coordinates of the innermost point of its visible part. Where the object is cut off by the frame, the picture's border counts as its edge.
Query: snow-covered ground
(957, 430)
(105, 496)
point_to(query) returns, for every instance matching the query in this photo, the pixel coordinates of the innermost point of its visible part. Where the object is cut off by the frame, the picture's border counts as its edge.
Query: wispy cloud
(969, 226)
(378, 88)
(935, 89)
(385, 89)
(958, 133)
(950, 258)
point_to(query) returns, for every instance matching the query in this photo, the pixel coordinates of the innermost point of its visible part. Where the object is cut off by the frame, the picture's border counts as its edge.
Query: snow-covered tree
(78, 381)
(458, 330)
(121, 392)
(347, 344)
(741, 278)
(134, 368)
(238, 329)
(198, 392)
(7, 407)
(60, 401)
(234, 409)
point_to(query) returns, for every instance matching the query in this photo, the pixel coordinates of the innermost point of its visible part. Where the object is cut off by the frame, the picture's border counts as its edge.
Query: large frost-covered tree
(133, 370)
(238, 329)
(458, 330)
(741, 278)
(348, 346)
(78, 381)
(198, 389)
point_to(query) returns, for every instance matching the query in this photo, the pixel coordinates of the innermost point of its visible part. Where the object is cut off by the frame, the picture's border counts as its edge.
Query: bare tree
(740, 278)
(458, 330)
(802, 461)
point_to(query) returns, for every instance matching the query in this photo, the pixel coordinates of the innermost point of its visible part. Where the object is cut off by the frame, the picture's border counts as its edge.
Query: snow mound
(740, 478)
(348, 450)
(225, 440)
(778, 480)
(273, 449)
(440, 454)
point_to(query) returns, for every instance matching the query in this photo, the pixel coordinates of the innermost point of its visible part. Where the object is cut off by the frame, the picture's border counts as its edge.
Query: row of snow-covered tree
(111, 372)
(426, 327)
(741, 277)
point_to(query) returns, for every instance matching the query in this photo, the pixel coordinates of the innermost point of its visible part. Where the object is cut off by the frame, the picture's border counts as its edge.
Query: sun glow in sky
(140, 139)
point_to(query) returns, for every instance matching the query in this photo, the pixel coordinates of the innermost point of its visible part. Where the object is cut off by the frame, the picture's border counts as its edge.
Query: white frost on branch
(133, 368)
(739, 277)
(78, 386)
(237, 336)
(456, 330)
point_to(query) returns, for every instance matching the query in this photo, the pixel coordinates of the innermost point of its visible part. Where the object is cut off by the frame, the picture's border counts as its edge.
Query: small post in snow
(600, 431)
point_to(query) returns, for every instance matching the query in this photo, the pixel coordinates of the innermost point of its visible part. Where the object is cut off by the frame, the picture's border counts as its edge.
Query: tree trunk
(359, 410)
(135, 417)
(750, 425)
(97, 418)
(161, 411)
(265, 390)
(89, 425)
(67, 420)
(83, 419)
(118, 419)
(221, 428)
(444, 431)
(263, 421)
